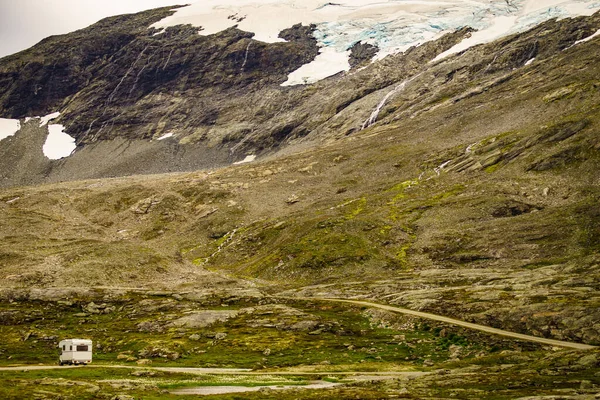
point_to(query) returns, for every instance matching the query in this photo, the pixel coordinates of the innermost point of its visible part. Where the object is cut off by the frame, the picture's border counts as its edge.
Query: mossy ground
(105, 383)
(278, 335)
(340, 339)
(503, 376)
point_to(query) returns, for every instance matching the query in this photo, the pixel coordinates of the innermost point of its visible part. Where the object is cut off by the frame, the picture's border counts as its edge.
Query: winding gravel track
(434, 317)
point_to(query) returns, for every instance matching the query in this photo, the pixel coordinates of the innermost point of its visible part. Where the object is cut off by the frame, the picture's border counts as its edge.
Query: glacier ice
(391, 25)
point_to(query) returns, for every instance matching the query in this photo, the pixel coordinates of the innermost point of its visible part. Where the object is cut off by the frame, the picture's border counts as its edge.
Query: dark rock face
(182, 75)
(362, 54)
(120, 79)
(300, 34)
(41, 78)
(122, 71)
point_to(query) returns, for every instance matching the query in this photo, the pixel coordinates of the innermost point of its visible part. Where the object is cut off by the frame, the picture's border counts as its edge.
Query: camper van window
(64, 347)
(71, 348)
(82, 347)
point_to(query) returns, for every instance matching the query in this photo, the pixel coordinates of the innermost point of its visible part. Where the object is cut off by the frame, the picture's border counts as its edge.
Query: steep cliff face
(119, 78)
(41, 78)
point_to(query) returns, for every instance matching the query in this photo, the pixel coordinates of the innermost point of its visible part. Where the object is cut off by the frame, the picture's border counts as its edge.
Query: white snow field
(329, 62)
(58, 143)
(392, 25)
(8, 127)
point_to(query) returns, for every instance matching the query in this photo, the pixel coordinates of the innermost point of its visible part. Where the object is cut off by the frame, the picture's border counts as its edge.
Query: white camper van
(75, 351)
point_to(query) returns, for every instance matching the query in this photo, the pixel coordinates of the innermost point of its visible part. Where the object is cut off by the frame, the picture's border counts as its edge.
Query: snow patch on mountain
(500, 26)
(391, 25)
(533, 13)
(166, 136)
(328, 63)
(48, 118)
(581, 8)
(266, 19)
(246, 160)
(8, 127)
(587, 39)
(58, 143)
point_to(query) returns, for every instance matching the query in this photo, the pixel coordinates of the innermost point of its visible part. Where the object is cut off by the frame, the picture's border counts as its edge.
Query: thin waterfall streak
(490, 64)
(112, 121)
(375, 114)
(137, 77)
(90, 127)
(241, 142)
(97, 134)
(129, 71)
(246, 56)
(168, 59)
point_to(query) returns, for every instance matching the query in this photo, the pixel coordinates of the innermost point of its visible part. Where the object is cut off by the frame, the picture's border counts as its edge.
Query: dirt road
(354, 375)
(213, 371)
(434, 317)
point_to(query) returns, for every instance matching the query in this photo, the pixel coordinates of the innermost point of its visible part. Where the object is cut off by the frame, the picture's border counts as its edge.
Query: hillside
(431, 195)
(466, 187)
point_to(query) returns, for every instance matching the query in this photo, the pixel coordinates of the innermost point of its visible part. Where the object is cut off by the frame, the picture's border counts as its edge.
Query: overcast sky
(23, 23)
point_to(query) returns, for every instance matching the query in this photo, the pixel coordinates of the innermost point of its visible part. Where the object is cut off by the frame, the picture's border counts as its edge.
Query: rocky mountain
(123, 83)
(463, 184)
